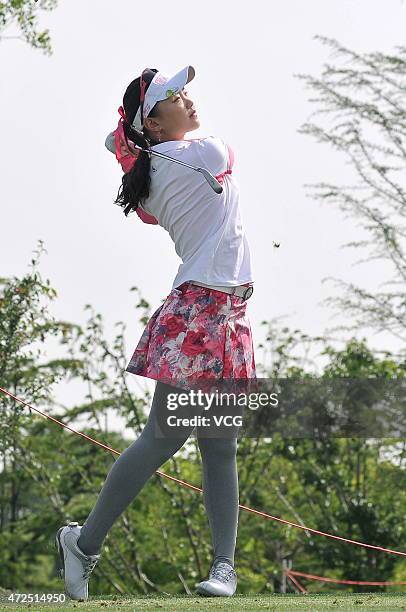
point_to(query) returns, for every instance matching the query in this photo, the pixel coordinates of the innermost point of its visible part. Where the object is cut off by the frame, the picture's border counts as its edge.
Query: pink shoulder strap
(230, 158)
(230, 164)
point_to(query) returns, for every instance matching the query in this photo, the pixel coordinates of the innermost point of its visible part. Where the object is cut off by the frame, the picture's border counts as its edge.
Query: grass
(250, 603)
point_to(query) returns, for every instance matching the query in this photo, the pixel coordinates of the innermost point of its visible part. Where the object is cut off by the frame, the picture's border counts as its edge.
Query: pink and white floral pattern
(197, 333)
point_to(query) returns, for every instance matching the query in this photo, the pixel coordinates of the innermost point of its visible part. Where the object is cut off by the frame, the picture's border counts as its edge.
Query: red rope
(295, 582)
(186, 484)
(313, 577)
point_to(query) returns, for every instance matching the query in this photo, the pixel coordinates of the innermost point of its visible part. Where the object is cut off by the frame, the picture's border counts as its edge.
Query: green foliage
(23, 15)
(162, 542)
(360, 96)
(352, 487)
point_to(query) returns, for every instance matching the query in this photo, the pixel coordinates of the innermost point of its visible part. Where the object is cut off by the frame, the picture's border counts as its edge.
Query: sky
(59, 182)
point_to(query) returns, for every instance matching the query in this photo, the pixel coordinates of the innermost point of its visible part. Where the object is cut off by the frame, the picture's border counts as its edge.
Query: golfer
(200, 332)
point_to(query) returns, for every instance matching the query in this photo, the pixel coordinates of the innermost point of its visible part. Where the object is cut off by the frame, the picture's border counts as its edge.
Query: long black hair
(135, 184)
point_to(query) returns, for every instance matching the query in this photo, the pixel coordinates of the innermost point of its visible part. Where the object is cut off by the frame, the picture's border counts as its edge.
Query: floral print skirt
(197, 333)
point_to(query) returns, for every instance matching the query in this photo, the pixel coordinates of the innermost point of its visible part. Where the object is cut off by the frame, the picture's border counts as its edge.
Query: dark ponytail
(135, 184)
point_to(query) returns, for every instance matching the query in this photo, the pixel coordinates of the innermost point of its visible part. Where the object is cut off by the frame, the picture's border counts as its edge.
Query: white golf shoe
(76, 566)
(222, 581)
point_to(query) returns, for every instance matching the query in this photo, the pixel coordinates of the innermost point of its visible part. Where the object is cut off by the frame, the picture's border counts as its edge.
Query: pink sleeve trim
(220, 177)
(230, 157)
(230, 164)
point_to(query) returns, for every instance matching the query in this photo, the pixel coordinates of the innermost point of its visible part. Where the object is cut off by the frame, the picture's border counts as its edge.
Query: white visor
(162, 87)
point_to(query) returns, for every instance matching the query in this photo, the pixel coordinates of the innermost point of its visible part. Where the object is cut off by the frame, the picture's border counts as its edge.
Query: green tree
(353, 487)
(48, 475)
(363, 99)
(23, 15)
(25, 324)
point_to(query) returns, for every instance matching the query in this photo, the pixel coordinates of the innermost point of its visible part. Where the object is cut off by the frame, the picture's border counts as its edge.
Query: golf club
(214, 184)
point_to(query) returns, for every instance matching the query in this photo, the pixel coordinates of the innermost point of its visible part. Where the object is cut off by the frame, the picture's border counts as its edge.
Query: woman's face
(175, 116)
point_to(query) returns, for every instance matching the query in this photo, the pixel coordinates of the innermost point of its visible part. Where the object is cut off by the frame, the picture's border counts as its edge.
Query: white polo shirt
(205, 227)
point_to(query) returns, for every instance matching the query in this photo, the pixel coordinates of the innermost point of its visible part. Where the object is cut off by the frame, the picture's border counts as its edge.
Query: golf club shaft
(166, 157)
(213, 182)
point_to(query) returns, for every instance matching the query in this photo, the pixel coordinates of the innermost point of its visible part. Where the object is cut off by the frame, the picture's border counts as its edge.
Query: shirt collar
(170, 145)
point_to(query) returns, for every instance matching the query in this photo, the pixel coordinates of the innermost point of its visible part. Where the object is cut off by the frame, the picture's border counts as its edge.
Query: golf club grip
(215, 185)
(213, 182)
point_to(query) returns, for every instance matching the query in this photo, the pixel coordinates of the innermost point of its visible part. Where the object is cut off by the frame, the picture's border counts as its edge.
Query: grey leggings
(145, 455)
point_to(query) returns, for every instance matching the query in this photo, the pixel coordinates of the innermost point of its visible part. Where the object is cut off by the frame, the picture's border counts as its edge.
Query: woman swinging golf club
(200, 332)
